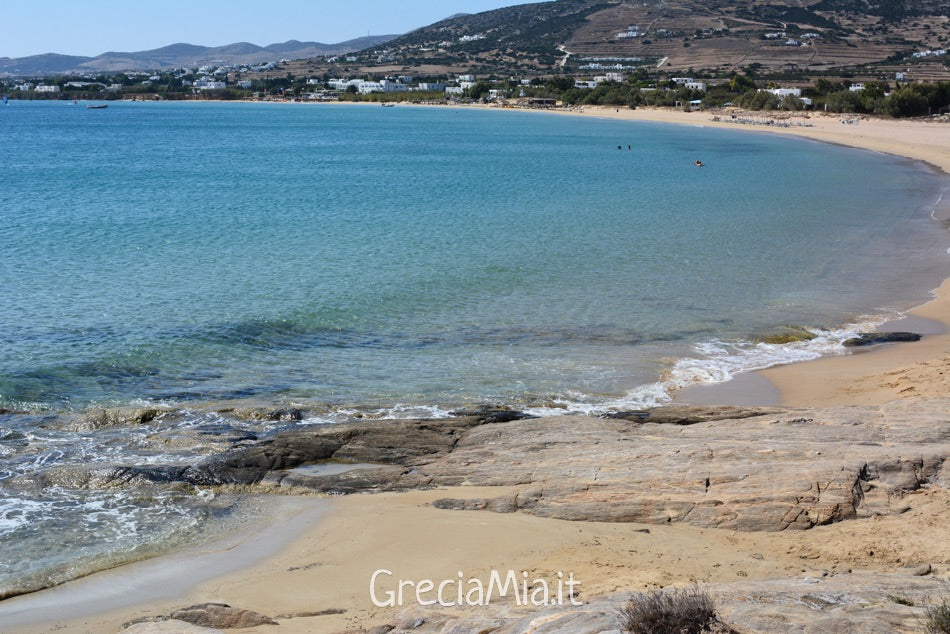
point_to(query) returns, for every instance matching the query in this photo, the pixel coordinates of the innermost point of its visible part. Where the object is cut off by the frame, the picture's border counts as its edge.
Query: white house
(45, 88)
(206, 83)
(786, 92)
(856, 87)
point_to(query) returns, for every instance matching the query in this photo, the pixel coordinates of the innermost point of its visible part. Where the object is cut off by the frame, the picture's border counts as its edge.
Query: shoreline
(327, 568)
(872, 376)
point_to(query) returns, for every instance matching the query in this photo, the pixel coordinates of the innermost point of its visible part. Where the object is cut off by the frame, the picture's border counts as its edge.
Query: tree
(560, 83)
(739, 84)
(907, 102)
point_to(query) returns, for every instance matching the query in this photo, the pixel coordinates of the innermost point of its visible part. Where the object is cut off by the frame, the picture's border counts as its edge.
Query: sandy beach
(320, 580)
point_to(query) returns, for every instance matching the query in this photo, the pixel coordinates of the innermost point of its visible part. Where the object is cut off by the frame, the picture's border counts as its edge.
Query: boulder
(873, 338)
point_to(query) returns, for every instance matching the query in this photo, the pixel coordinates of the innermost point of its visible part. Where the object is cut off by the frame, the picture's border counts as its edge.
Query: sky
(93, 27)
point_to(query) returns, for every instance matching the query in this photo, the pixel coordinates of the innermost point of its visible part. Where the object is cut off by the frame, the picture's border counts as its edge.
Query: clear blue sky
(92, 27)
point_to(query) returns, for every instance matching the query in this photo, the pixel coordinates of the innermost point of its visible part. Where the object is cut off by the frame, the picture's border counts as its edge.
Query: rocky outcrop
(737, 468)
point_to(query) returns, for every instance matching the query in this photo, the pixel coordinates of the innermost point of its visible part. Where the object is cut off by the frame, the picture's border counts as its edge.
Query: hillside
(713, 35)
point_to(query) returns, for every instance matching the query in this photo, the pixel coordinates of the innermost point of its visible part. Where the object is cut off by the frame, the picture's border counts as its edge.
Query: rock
(860, 602)
(385, 442)
(490, 414)
(113, 417)
(167, 626)
(873, 338)
(747, 469)
(220, 615)
(687, 414)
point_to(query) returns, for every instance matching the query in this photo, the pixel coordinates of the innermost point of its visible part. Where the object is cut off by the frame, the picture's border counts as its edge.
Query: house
(786, 92)
(206, 83)
(856, 87)
(45, 88)
(245, 84)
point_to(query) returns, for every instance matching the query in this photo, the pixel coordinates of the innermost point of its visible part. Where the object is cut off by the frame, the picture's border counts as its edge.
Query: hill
(181, 55)
(711, 35)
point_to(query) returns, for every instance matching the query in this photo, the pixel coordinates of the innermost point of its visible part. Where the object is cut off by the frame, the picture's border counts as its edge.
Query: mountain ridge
(182, 54)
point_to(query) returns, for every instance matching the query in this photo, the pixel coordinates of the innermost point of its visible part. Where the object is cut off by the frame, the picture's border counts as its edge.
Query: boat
(388, 105)
(97, 106)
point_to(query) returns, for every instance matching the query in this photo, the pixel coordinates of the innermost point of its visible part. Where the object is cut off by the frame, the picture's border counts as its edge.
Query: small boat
(97, 106)
(388, 105)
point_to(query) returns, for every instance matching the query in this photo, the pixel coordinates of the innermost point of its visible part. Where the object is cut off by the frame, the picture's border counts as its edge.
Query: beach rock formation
(738, 468)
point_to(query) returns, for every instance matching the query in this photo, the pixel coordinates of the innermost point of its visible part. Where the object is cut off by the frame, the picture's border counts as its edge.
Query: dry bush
(684, 611)
(937, 618)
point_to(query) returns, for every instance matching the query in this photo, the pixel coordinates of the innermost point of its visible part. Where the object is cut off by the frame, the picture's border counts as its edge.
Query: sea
(353, 260)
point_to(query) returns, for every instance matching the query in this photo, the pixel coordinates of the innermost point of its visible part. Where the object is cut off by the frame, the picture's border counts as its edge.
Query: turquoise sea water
(408, 260)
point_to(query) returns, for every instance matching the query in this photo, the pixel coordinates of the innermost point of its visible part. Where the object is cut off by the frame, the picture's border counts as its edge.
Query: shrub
(685, 611)
(937, 618)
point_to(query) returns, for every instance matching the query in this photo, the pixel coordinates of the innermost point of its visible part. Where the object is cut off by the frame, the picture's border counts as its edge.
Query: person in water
(699, 163)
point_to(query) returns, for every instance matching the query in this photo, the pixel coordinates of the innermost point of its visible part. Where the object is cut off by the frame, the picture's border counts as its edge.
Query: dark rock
(873, 338)
(285, 415)
(492, 414)
(399, 442)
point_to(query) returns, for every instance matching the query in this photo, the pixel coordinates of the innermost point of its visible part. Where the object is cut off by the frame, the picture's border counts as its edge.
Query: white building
(786, 92)
(209, 84)
(45, 88)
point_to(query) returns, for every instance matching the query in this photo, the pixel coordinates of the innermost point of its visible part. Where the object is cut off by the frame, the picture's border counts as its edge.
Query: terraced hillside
(716, 35)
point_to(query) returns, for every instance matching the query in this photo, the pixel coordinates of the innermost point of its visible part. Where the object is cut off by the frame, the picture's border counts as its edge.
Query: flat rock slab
(775, 471)
(860, 602)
